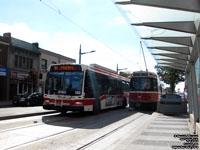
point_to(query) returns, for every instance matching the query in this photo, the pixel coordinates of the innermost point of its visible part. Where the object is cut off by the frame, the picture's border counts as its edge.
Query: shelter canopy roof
(167, 27)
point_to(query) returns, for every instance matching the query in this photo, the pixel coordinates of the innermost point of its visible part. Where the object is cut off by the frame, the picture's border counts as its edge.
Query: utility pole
(120, 69)
(143, 56)
(80, 55)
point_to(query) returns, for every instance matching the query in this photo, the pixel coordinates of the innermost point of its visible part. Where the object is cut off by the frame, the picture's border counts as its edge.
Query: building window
(44, 64)
(27, 64)
(23, 62)
(16, 61)
(31, 63)
(53, 62)
(20, 61)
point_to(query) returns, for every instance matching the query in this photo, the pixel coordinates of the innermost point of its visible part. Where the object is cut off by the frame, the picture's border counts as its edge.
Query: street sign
(3, 71)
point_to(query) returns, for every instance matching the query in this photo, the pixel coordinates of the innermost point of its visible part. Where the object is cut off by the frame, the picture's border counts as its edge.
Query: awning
(167, 27)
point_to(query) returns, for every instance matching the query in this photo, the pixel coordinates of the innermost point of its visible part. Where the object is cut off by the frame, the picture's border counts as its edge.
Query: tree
(170, 76)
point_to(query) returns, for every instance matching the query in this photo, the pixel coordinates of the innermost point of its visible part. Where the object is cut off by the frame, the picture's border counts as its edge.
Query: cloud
(68, 44)
(23, 32)
(79, 1)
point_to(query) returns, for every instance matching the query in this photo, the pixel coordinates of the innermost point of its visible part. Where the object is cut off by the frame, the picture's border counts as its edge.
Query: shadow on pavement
(89, 121)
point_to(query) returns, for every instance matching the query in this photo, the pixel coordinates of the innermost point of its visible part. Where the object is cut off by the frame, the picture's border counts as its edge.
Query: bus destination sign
(65, 68)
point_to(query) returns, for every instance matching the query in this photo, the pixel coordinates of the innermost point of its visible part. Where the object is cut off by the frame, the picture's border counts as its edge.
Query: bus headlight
(78, 103)
(47, 101)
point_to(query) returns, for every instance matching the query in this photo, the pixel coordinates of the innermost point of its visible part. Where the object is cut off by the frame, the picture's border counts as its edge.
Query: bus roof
(107, 71)
(143, 74)
(93, 67)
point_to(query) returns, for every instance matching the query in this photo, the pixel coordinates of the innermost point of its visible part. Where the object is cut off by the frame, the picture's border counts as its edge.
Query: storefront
(20, 83)
(3, 85)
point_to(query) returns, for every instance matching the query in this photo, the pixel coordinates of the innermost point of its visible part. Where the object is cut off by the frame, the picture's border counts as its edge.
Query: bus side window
(87, 86)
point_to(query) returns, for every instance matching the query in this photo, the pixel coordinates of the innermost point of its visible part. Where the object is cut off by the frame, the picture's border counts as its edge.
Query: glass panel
(69, 83)
(141, 84)
(138, 14)
(198, 82)
(73, 82)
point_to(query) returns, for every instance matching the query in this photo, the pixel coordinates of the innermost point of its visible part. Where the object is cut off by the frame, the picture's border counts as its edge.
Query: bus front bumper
(63, 108)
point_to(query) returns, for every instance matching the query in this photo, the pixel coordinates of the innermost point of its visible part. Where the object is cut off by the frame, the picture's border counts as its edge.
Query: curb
(26, 115)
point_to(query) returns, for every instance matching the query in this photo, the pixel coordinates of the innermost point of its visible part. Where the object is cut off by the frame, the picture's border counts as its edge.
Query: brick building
(23, 66)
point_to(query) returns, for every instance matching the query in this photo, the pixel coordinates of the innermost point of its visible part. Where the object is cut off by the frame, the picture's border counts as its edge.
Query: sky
(61, 26)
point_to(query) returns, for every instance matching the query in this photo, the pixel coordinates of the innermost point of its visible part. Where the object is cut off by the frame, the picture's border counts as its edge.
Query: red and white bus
(144, 89)
(73, 87)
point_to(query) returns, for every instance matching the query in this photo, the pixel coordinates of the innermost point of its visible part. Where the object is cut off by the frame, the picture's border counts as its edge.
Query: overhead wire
(57, 10)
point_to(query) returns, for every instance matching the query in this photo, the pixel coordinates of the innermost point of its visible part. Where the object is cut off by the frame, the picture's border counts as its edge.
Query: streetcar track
(28, 126)
(108, 134)
(42, 138)
(99, 121)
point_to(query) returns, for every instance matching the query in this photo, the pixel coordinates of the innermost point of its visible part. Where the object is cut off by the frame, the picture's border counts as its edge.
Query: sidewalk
(9, 111)
(165, 132)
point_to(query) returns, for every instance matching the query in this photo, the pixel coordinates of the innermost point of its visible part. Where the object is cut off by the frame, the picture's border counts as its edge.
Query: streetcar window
(155, 85)
(143, 84)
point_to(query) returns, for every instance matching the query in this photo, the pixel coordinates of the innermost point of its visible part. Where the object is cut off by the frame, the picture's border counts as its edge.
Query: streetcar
(144, 89)
(74, 87)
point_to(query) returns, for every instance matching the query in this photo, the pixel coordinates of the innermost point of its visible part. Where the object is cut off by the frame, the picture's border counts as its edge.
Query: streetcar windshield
(143, 84)
(65, 83)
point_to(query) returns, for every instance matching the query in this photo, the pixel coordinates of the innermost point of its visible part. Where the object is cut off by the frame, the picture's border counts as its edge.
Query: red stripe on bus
(82, 102)
(144, 96)
(102, 97)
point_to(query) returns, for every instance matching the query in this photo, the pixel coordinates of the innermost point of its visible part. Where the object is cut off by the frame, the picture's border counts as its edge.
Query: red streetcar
(144, 89)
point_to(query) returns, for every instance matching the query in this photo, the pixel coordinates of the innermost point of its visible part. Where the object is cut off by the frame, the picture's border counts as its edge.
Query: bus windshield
(65, 83)
(143, 84)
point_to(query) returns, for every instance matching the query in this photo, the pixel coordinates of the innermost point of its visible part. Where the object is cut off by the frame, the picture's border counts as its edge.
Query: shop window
(20, 89)
(44, 64)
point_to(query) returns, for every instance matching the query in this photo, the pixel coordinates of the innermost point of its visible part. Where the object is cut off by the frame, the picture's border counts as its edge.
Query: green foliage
(170, 76)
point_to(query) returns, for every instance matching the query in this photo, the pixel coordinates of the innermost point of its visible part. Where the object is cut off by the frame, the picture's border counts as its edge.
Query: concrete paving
(161, 131)
(8, 111)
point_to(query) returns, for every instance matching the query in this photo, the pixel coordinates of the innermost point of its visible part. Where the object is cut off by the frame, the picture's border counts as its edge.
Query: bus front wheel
(124, 103)
(63, 112)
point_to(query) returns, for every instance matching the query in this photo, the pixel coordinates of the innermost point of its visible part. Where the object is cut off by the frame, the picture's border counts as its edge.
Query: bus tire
(63, 112)
(96, 106)
(124, 103)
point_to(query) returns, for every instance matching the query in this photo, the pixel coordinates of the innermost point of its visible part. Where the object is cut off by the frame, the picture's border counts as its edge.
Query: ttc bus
(73, 87)
(144, 89)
